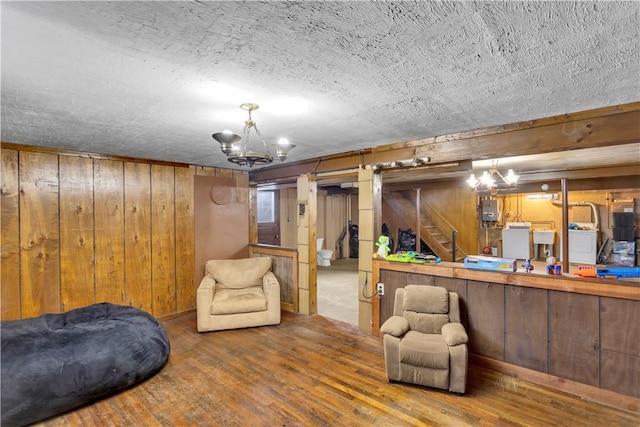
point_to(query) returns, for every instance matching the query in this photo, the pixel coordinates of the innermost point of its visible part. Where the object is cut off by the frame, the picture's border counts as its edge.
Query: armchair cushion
(424, 350)
(238, 273)
(426, 299)
(231, 301)
(426, 323)
(396, 326)
(454, 334)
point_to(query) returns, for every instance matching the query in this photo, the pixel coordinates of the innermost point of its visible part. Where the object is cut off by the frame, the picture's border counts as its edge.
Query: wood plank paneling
(78, 229)
(39, 234)
(620, 325)
(163, 230)
(574, 337)
(486, 319)
(620, 373)
(284, 264)
(137, 227)
(458, 286)
(527, 326)
(10, 235)
(392, 280)
(76, 232)
(205, 171)
(620, 354)
(185, 240)
(109, 230)
(420, 279)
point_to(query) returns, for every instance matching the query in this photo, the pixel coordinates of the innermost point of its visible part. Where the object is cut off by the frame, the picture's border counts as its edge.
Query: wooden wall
(540, 211)
(332, 217)
(78, 230)
(456, 204)
(334, 210)
(288, 217)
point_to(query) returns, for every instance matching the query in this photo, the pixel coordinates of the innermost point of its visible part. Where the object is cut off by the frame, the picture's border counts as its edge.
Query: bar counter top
(626, 288)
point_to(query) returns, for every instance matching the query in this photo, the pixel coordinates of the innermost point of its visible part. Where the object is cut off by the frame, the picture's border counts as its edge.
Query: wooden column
(369, 201)
(307, 252)
(418, 214)
(565, 225)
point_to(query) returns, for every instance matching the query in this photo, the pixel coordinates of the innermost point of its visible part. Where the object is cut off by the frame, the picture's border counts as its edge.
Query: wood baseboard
(174, 315)
(584, 391)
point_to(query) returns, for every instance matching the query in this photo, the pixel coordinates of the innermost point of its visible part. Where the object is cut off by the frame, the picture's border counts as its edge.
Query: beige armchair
(424, 341)
(238, 293)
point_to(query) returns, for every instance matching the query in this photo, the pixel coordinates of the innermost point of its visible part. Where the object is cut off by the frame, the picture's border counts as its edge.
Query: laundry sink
(544, 237)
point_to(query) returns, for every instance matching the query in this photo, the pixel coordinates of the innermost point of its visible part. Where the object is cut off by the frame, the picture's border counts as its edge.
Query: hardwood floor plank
(313, 371)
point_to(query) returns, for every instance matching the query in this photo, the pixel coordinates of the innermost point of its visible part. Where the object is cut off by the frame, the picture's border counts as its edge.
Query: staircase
(431, 225)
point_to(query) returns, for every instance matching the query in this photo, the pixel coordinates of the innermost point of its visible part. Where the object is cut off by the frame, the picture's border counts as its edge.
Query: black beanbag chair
(57, 362)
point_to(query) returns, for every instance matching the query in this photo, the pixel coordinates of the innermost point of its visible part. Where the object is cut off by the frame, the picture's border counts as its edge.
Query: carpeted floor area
(338, 290)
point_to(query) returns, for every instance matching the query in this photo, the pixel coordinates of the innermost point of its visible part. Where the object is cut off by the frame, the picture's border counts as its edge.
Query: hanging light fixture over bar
(487, 182)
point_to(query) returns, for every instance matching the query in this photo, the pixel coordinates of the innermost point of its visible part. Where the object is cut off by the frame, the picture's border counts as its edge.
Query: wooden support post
(565, 225)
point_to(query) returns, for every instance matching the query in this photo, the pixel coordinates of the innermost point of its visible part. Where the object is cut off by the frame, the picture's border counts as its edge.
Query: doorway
(338, 290)
(268, 216)
(337, 284)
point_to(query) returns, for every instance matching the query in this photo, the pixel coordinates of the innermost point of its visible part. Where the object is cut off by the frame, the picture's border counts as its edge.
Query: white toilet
(324, 255)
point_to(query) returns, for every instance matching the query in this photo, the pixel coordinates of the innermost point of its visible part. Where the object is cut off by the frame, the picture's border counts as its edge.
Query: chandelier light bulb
(473, 181)
(511, 177)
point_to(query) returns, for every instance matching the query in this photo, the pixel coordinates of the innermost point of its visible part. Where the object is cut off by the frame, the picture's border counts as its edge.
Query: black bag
(353, 240)
(406, 240)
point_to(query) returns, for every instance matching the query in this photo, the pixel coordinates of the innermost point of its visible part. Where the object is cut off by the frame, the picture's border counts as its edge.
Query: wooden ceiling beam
(589, 129)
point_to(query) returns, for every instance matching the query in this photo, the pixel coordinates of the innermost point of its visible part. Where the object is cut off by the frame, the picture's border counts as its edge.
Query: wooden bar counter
(578, 335)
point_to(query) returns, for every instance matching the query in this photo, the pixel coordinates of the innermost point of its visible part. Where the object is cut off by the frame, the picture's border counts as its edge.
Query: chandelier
(236, 147)
(487, 182)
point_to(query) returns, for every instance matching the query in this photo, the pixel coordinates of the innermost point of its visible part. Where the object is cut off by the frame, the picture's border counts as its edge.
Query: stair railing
(441, 223)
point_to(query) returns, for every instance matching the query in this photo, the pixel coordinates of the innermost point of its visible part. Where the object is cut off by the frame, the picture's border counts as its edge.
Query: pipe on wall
(594, 208)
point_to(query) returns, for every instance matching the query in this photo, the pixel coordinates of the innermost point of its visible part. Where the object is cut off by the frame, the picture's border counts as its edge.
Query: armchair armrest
(454, 334)
(204, 294)
(270, 282)
(271, 288)
(396, 326)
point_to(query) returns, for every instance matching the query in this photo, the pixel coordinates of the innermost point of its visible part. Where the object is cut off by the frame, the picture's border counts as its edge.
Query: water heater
(489, 210)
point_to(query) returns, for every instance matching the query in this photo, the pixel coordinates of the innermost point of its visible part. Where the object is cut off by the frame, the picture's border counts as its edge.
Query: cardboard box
(480, 262)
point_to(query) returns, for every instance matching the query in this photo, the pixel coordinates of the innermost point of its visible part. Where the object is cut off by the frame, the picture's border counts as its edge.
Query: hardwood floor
(313, 371)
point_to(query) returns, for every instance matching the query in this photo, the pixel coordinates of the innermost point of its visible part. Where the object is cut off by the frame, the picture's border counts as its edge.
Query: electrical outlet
(380, 288)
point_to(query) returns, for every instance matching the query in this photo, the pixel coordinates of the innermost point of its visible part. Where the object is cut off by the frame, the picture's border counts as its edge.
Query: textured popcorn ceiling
(156, 79)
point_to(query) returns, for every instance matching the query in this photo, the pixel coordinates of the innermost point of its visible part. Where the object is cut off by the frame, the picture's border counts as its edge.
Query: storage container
(622, 206)
(627, 260)
(623, 219)
(625, 234)
(623, 247)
